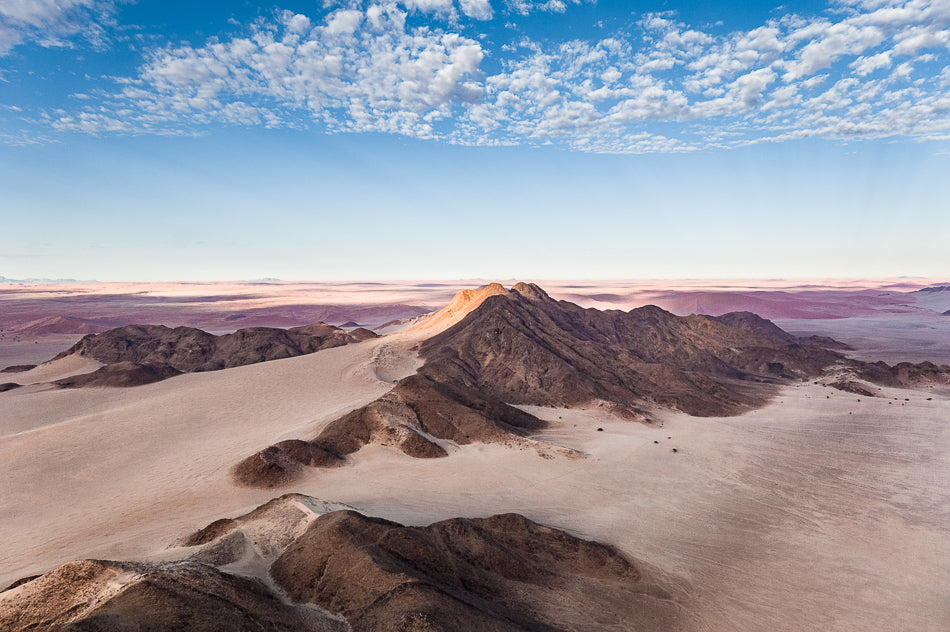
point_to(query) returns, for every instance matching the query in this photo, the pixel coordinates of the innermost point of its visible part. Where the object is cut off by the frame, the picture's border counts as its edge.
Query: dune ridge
(756, 520)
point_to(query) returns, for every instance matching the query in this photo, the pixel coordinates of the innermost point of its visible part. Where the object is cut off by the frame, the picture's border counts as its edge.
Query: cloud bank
(862, 69)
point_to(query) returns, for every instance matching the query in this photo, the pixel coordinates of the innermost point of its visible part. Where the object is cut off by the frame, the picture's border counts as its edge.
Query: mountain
(461, 305)
(521, 347)
(755, 324)
(4, 279)
(503, 573)
(524, 347)
(154, 352)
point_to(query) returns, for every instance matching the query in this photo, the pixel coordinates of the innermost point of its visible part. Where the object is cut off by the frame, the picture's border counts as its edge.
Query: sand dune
(90, 464)
(59, 325)
(59, 369)
(798, 516)
(815, 512)
(490, 347)
(462, 304)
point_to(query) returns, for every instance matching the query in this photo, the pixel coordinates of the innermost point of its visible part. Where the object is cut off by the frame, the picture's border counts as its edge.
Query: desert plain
(821, 509)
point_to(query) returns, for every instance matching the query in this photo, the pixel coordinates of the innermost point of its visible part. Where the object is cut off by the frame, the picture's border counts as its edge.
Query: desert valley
(475, 456)
(474, 316)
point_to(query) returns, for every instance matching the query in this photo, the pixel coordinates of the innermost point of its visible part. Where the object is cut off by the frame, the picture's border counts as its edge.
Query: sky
(449, 139)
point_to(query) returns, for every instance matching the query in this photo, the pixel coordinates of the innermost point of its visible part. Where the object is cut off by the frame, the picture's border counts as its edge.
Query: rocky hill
(504, 573)
(153, 352)
(414, 417)
(521, 346)
(526, 348)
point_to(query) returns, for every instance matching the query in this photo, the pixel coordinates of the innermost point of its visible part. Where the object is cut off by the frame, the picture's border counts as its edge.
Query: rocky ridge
(521, 347)
(140, 354)
(345, 571)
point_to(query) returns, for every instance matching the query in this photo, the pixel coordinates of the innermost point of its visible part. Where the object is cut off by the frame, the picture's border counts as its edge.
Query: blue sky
(474, 138)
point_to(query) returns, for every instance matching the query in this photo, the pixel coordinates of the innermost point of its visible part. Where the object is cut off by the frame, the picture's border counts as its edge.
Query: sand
(817, 512)
(34, 350)
(892, 338)
(116, 472)
(798, 516)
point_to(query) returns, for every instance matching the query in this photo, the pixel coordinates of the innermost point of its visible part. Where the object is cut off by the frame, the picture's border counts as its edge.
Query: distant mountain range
(937, 289)
(4, 279)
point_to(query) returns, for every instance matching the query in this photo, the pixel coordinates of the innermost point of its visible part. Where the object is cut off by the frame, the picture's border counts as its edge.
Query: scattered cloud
(358, 71)
(52, 23)
(524, 7)
(477, 9)
(862, 70)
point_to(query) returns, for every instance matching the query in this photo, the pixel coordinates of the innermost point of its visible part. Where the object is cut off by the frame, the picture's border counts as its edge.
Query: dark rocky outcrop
(122, 374)
(902, 374)
(18, 368)
(851, 386)
(825, 342)
(764, 328)
(755, 324)
(280, 464)
(263, 533)
(8, 386)
(104, 596)
(526, 348)
(187, 349)
(412, 417)
(502, 573)
(135, 354)
(523, 347)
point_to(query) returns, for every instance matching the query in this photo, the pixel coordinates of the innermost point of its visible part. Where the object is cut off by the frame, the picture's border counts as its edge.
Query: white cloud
(429, 6)
(343, 22)
(866, 65)
(477, 9)
(663, 86)
(50, 23)
(525, 7)
(912, 39)
(829, 44)
(358, 71)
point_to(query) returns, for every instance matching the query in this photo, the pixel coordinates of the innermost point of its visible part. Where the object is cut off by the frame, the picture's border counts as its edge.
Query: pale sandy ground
(892, 338)
(112, 472)
(210, 305)
(22, 302)
(799, 516)
(34, 351)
